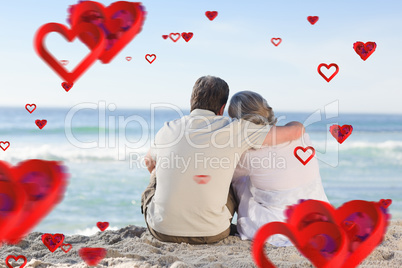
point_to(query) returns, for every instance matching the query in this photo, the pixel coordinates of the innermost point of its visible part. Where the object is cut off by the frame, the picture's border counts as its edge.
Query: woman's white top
(268, 180)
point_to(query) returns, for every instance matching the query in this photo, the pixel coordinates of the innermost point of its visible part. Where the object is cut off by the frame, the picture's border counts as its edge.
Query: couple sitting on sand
(206, 166)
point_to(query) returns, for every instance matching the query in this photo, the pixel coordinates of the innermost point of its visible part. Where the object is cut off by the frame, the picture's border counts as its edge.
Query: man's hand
(277, 135)
(150, 162)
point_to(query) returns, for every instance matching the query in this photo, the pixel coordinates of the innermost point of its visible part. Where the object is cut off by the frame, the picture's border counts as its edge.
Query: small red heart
(52, 242)
(102, 225)
(64, 62)
(364, 50)
(30, 107)
(328, 66)
(176, 35)
(16, 259)
(165, 36)
(3, 145)
(187, 36)
(385, 203)
(150, 56)
(67, 86)
(128, 58)
(340, 133)
(312, 19)
(66, 250)
(202, 179)
(211, 15)
(41, 123)
(275, 39)
(92, 256)
(304, 150)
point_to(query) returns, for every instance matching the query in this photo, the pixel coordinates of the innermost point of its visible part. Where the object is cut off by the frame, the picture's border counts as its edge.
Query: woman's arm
(277, 135)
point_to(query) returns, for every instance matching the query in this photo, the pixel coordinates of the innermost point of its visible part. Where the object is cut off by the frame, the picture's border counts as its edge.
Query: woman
(269, 179)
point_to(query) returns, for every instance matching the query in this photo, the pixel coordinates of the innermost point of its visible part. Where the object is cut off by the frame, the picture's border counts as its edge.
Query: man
(192, 162)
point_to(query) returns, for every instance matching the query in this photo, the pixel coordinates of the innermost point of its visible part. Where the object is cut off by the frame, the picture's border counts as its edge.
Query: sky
(235, 46)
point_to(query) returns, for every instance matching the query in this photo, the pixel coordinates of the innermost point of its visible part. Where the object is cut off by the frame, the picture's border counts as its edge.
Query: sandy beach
(134, 247)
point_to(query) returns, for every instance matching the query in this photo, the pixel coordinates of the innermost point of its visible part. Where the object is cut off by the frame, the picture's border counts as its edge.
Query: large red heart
(211, 15)
(111, 25)
(16, 259)
(52, 242)
(69, 34)
(358, 248)
(304, 162)
(92, 256)
(43, 182)
(276, 41)
(364, 50)
(340, 133)
(102, 225)
(328, 66)
(312, 19)
(304, 242)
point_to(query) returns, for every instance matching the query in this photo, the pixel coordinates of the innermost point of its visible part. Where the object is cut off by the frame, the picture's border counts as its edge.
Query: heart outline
(328, 67)
(16, 258)
(304, 150)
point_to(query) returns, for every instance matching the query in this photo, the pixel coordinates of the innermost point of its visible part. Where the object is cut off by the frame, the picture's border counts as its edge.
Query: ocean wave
(67, 153)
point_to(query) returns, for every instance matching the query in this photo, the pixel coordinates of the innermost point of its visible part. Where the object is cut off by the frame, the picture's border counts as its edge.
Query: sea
(103, 148)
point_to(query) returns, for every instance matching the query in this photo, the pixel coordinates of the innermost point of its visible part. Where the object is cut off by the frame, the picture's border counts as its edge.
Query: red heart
(3, 145)
(340, 133)
(187, 36)
(67, 86)
(328, 66)
(202, 179)
(304, 150)
(150, 56)
(364, 50)
(92, 256)
(165, 36)
(119, 35)
(312, 19)
(211, 15)
(44, 183)
(69, 246)
(41, 123)
(385, 203)
(52, 242)
(30, 107)
(128, 58)
(16, 259)
(69, 77)
(302, 240)
(64, 62)
(175, 34)
(339, 216)
(102, 225)
(275, 39)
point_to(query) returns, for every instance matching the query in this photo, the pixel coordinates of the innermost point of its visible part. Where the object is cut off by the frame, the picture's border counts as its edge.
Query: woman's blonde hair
(251, 106)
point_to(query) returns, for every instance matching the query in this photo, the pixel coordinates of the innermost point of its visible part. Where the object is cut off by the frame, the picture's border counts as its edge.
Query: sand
(133, 246)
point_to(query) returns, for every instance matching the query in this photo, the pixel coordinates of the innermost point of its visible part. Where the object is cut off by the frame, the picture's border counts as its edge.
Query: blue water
(102, 149)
